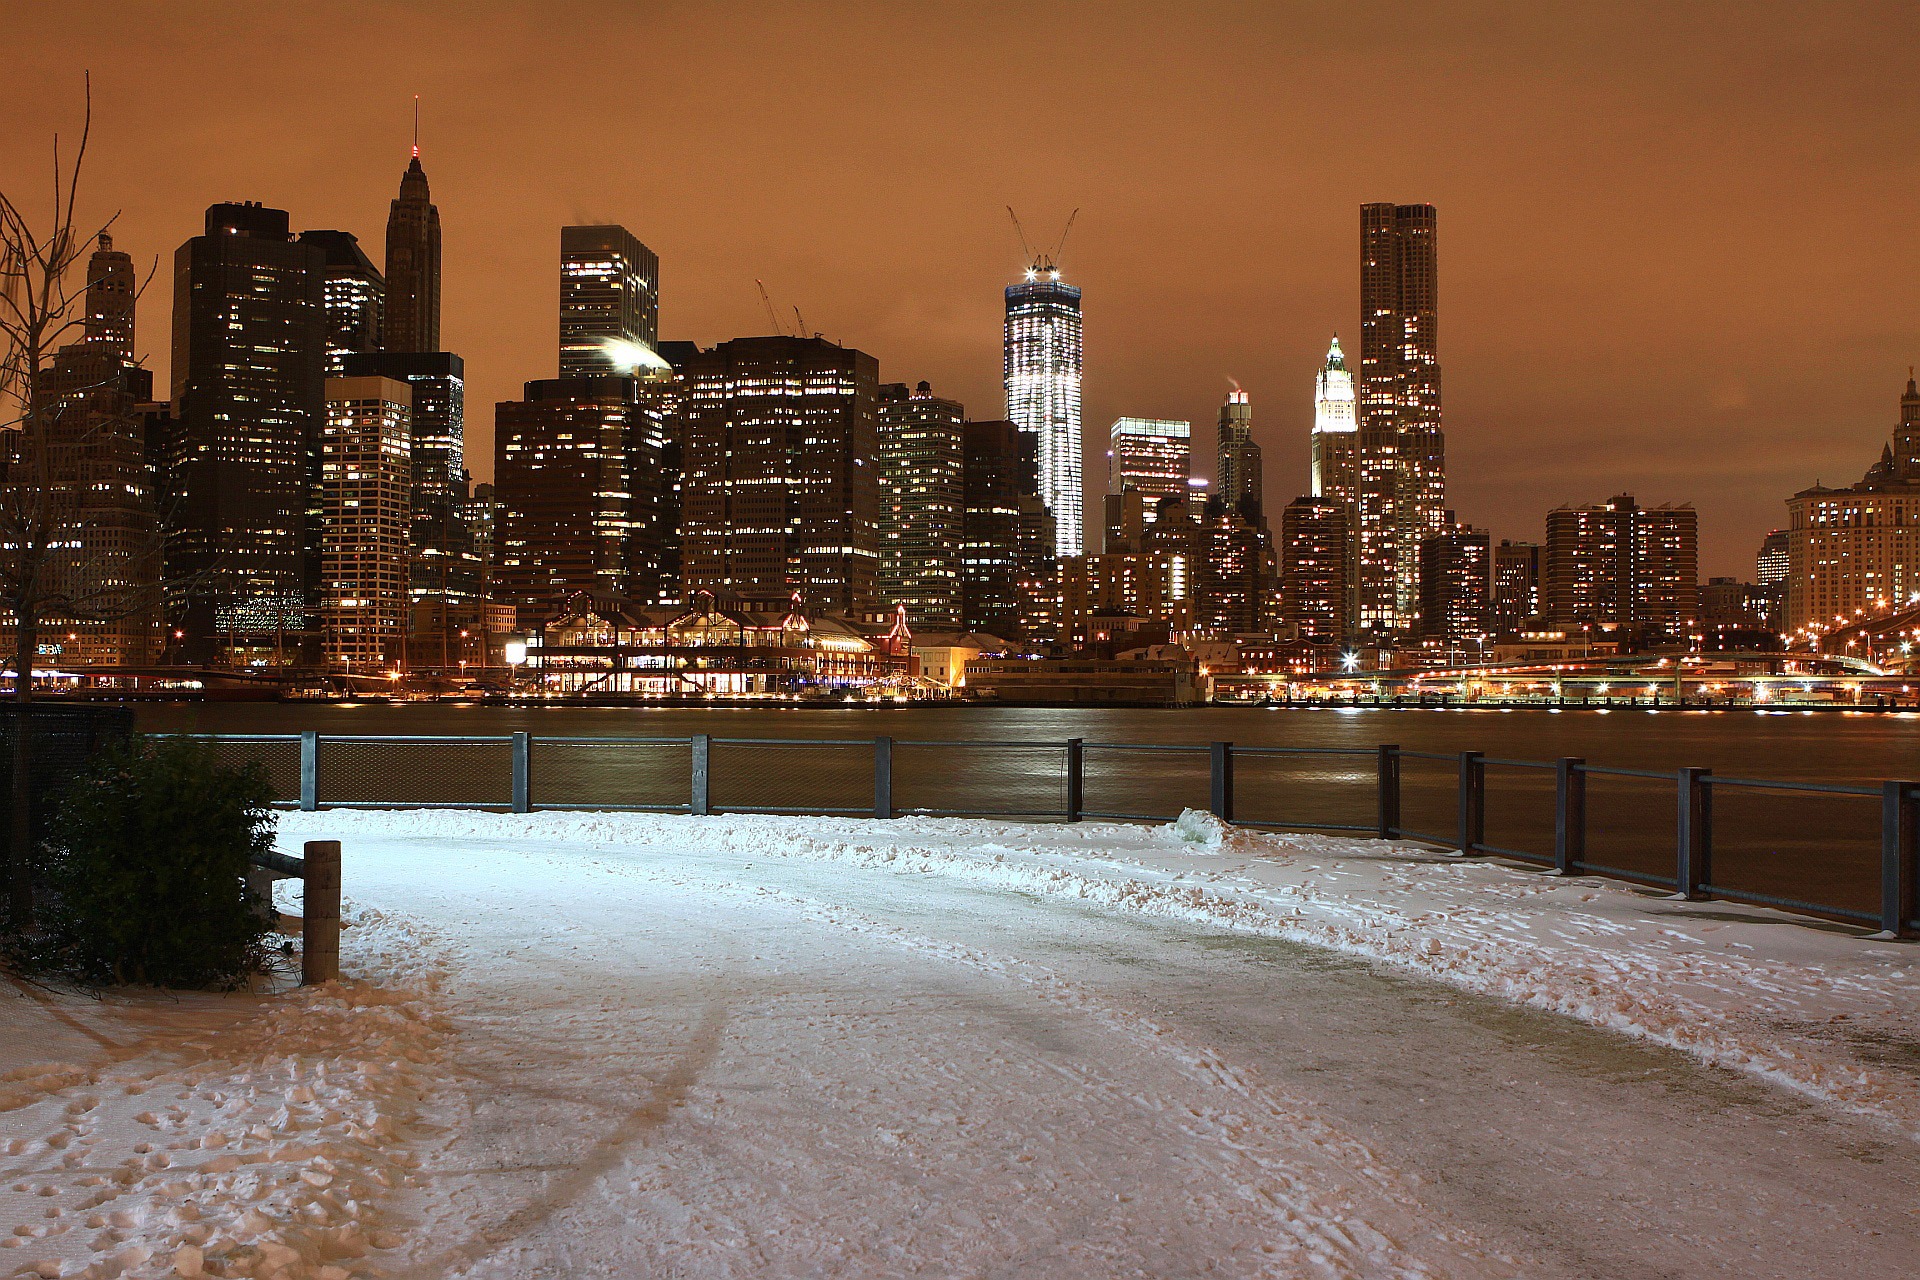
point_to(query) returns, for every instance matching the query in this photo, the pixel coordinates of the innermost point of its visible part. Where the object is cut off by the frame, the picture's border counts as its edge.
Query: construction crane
(1045, 260)
(772, 317)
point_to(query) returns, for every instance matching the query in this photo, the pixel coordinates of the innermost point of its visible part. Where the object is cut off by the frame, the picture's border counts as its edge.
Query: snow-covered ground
(625, 1045)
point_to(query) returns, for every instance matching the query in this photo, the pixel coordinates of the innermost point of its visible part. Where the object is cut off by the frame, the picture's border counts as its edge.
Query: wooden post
(320, 914)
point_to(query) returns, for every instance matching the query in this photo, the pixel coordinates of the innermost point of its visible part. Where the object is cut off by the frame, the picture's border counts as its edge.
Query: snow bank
(1818, 1012)
(261, 1147)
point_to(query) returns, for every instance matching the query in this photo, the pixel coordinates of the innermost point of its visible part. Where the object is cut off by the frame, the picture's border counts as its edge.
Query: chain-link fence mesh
(1150, 782)
(416, 771)
(1632, 825)
(1811, 847)
(610, 773)
(1518, 808)
(987, 779)
(1307, 791)
(779, 776)
(279, 756)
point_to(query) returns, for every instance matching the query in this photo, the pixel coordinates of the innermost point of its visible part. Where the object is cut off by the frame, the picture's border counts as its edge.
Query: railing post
(1569, 814)
(320, 913)
(883, 777)
(1220, 754)
(702, 754)
(1389, 773)
(1696, 834)
(310, 769)
(1076, 779)
(1473, 803)
(522, 772)
(1899, 859)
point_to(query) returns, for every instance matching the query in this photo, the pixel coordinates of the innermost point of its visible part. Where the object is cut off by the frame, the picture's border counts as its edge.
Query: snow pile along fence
(1845, 852)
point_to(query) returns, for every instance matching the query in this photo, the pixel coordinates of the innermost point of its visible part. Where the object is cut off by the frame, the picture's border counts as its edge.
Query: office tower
(76, 476)
(355, 294)
(922, 504)
(609, 303)
(1734, 605)
(1007, 533)
(249, 363)
(1043, 354)
(365, 476)
(1516, 585)
(1857, 549)
(781, 491)
(1233, 570)
(1617, 564)
(1456, 586)
(1335, 430)
(1771, 565)
(577, 482)
(1151, 456)
(1402, 484)
(413, 265)
(1237, 459)
(1315, 561)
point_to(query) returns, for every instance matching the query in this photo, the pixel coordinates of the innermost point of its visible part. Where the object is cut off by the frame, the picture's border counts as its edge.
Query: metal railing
(1845, 852)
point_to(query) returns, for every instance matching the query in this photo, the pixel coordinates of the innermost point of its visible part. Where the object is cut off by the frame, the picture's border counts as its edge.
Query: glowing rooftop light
(631, 356)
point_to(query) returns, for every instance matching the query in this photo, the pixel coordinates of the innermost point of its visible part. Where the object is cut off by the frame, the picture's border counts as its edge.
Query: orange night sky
(1677, 242)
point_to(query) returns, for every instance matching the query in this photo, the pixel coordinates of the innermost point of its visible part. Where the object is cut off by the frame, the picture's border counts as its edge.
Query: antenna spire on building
(416, 126)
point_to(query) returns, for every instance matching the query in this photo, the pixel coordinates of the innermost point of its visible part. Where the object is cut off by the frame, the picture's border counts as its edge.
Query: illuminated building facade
(1236, 456)
(1153, 585)
(781, 491)
(355, 294)
(1006, 533)
(1043, 367)
(609, 303)
(1316, 591)
(1149, 456)
(1456, 586)
(412, 320)
(1857, 549)
(576, 487)
(1617, 564)
(1233, 570)
(1401, 493)
(249, 367)
(366, 476)
(80, 466)
(1336, 430)
(1516, 586)
(922, 503)
(1771, 565)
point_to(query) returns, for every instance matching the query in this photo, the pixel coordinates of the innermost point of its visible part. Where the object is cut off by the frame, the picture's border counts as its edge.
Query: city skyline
(1573, 334)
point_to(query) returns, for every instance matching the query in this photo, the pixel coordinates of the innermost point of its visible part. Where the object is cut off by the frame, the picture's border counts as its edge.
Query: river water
(1805, 846)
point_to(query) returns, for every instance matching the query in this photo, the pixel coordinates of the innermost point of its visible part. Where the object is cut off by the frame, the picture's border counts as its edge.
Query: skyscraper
(922, 503)
(1237, 460)
(577, 480)
(1402, 486)
(781, 491)
(365, 473)
(1516, 585)
(77, 469)
(355, 294)
(1233, 570)
(1007, 536)
(609, 303)
(1335, 430)
(1042, 370)
(1150, 456)
(413, 265)
(249, 363)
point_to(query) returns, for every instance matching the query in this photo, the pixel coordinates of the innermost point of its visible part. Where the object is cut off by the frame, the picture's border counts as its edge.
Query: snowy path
(694, 1057)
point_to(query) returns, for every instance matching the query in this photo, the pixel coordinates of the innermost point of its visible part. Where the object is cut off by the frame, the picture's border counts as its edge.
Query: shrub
(146, 863)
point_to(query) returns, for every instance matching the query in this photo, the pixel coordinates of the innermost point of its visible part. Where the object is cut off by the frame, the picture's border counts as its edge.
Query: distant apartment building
(1617, 564)
(1857, 550)
(1006, 534)
(1316, 557)
(1156, 586)
(1516, 585)
(1456, 586)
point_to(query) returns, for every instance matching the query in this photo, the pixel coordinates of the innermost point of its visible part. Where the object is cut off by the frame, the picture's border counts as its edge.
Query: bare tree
(52, 568)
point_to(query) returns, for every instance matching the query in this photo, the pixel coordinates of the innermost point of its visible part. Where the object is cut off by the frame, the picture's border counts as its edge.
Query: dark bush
(146, 863)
